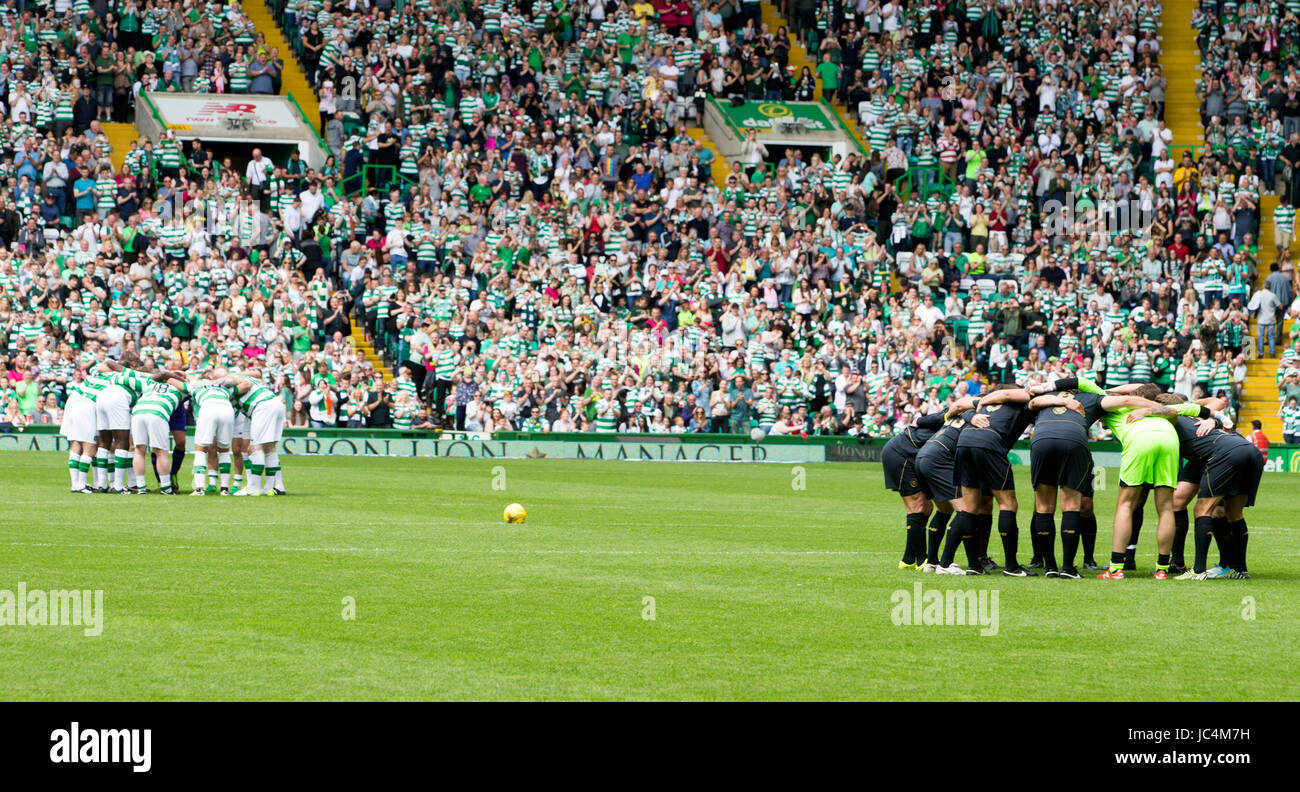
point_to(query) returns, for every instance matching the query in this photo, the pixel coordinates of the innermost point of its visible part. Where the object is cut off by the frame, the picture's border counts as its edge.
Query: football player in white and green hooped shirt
(265, 412)
(150, 433)
(113, 406)
(214, 426)
(80, 430)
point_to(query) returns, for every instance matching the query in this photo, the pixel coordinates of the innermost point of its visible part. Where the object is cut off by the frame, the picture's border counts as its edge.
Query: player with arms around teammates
(265, 412)
(151, 430)
(899, 461)
(214, 427)
(113, 405)
(82, 432)
(1223, 471)
(1061, 467)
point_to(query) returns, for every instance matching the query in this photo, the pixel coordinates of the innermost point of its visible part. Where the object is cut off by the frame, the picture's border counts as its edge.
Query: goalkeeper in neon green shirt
(1149, 457)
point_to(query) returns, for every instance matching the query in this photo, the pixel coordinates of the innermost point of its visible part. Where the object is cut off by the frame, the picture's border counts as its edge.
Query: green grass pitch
(761, 591)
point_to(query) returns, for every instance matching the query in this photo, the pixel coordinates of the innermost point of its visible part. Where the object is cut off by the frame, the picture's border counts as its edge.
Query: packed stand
(517, 217)
(1250, 107)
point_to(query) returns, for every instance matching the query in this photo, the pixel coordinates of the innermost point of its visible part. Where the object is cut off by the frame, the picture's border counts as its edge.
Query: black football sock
(153, 462)
(1035, 541)
(956, 531)
(1240, 537)
(1071, 525)
(970, 539)
(934, 536)
(1203, 530)
(1117, 560)
(1223, 538)
(1088, 536)
(178, 459)
(1010, 533)
(986, 532)
(1162, 561)
(1130, 553)
(915, 538)
(1045, 539)
(1180, 537)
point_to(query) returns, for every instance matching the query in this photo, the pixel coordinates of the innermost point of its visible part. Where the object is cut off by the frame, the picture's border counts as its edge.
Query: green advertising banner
(771, 116)
(408, 444)
(576, 445)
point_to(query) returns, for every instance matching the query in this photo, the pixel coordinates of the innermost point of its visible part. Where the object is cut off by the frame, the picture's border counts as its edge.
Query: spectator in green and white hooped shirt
(1283, 225)
(403, 410)
(767, 407)
(1290, 415)
(607, 410)
(105, 192)
(535, 422)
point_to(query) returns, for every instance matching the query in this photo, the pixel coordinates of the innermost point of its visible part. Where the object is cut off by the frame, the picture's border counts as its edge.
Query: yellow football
(516, 513)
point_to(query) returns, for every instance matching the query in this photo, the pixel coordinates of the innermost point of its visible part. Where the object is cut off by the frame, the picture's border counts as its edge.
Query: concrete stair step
(368, 352)
(294, 79)
(119, 138)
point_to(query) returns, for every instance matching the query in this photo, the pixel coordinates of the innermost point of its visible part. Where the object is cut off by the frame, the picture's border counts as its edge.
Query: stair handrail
(839, 119)
(294, 100)
(395, 175)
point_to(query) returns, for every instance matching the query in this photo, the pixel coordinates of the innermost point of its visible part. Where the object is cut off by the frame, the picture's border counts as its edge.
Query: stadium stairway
(718, 167)
(799, 58)
(1181, 60)
(1259, 398)
(119, 138)
(294, 79)
(1181, 63)
(799, 55)
(372, 357)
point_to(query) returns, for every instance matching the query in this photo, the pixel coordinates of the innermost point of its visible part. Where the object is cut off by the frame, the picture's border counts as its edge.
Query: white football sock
(273, 470)
(101, 469)
(200, 469)
(256, 463)
(123, 467)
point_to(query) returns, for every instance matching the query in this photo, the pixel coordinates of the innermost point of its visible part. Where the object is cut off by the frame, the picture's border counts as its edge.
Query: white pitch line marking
(449, 550)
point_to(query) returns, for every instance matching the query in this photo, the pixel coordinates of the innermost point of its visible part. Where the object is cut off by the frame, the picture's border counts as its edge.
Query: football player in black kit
(1229, 468)
(1189, 484)
(899, 461)
(936, 473)
(1060, 468)
(985, 471)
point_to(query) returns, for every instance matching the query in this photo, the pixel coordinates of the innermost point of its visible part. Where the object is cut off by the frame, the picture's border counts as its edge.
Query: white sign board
(182, 112)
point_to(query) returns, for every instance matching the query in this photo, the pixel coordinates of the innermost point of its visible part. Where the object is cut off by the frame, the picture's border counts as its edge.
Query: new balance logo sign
(221, 108)
(93, 746)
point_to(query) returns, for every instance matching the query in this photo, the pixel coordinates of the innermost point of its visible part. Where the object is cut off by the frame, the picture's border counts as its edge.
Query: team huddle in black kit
(951, 467)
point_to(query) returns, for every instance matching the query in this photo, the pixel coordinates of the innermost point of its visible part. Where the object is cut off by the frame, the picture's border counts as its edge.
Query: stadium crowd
(1250, 106)
(517, 217)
